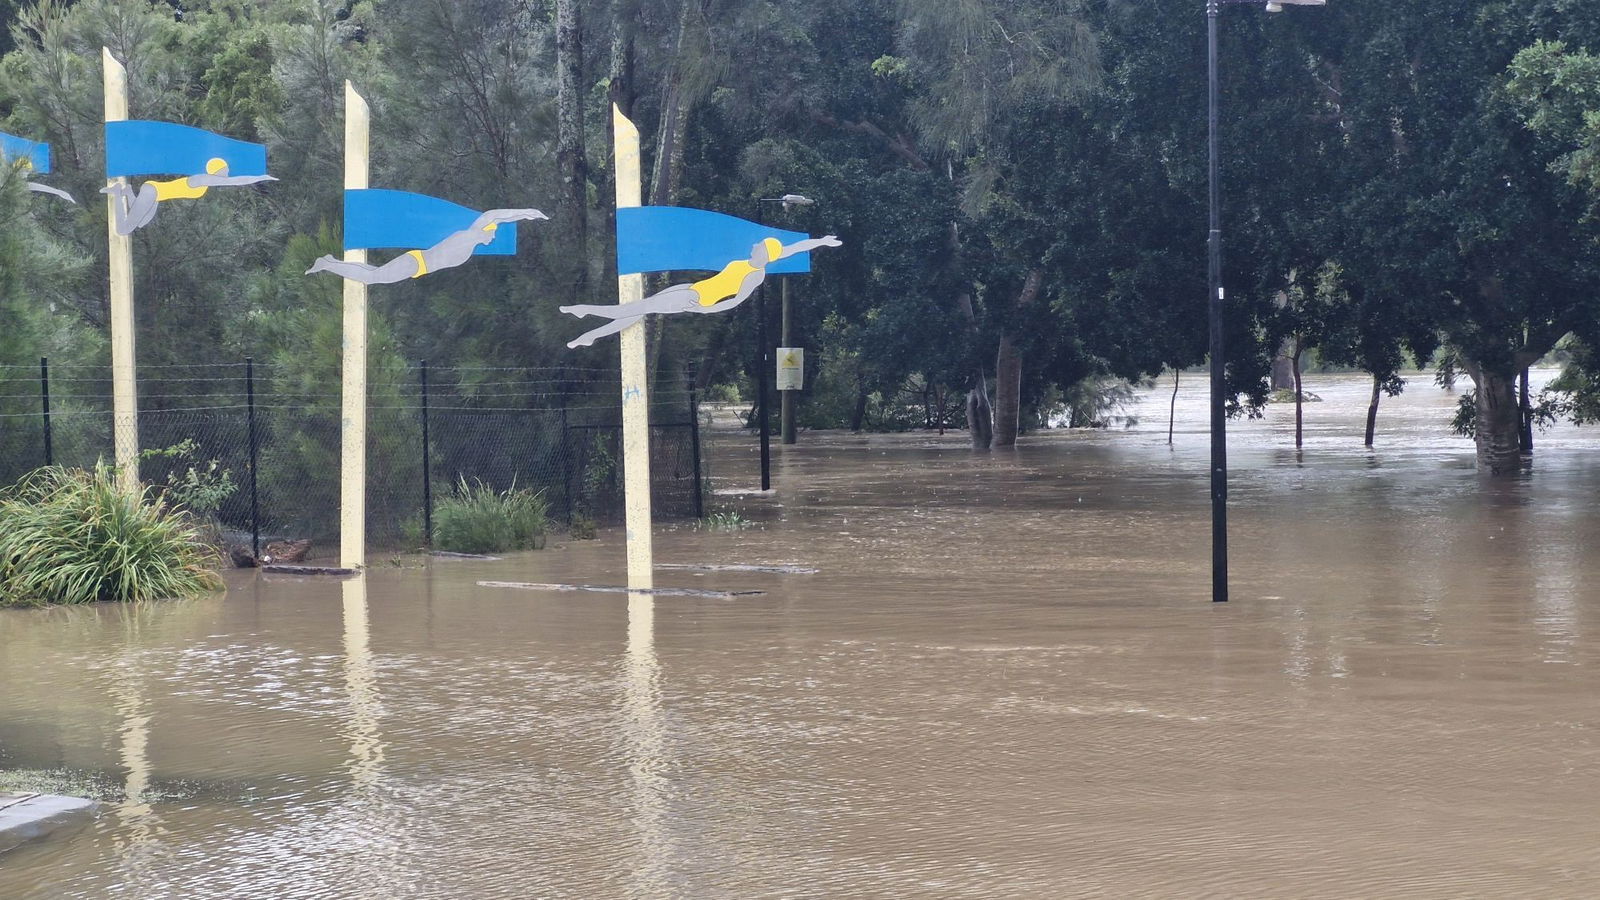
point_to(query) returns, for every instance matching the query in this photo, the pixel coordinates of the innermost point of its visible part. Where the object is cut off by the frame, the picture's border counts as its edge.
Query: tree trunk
(1008, 370)
(1299, 400)
(980, 417)
(1282, 371)
(1172, 410)
(666, 175)
(1372, 409)
(571, 162)
(1525, 411)
(858, 414)
(620, 90)
(674, 110)
(1499, 425)
(1007, 393)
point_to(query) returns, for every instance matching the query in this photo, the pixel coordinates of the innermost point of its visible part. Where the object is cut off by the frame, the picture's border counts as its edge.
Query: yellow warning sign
(791, 368)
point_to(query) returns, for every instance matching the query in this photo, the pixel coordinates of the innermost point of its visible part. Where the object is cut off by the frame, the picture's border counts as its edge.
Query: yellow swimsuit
(724, 284)
(422, 264)
(177, 189)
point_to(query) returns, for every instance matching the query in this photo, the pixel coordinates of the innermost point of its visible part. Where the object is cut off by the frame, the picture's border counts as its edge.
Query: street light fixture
(1219, 439)
(791, 200)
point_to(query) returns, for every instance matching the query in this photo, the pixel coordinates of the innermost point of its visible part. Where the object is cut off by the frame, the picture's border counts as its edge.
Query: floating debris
(307, 570)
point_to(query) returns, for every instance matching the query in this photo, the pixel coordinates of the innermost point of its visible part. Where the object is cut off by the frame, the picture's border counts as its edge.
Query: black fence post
(761, 387)
(566, 462)
(255, 498)
(694, 445)
(44, 397)
(427, 466)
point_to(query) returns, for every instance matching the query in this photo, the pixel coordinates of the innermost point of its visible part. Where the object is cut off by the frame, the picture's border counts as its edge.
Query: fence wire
(554, 430)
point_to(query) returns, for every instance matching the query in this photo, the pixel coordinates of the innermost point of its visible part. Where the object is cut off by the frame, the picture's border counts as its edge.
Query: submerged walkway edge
(24, 817)
(608, 589)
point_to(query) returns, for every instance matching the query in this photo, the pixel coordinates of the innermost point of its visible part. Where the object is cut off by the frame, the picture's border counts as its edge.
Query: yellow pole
(124, 383)
(353, 421)
(635, 386)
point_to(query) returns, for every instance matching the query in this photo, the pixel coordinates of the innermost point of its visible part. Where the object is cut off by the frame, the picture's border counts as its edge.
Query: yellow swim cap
(215, 165)
(774, 247)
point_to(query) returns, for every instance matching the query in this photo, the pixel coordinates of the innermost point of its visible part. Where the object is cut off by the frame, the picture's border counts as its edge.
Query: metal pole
(694, 446)
(761, 390)
(250, 404)
(786, 398)
(1219, 448)
(44, 397)
(427, 466)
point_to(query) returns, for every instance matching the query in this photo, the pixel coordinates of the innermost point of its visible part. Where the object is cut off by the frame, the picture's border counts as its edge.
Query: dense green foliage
(1020, 185)
(476, 518)
(75, 536)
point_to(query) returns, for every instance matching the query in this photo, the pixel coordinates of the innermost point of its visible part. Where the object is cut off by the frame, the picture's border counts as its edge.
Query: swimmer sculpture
(31, 156)
(134, 210)
(52, 191)
(454, 250)
(719, 293)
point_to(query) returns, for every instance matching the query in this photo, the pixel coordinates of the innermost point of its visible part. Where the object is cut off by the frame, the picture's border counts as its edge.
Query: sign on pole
(791, 368)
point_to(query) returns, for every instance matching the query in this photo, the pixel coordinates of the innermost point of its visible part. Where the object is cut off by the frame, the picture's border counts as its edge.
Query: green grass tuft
(76, 536)
(476, 518)
(724, 520)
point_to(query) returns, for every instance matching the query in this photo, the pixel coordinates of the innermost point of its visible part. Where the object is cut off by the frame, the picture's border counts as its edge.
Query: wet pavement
(1005, 680)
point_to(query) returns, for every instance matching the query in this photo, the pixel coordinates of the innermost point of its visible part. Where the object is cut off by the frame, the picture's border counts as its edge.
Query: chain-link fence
(274, 435)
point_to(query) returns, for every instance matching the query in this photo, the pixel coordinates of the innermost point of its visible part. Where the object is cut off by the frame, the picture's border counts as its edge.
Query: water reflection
(365, 764)
(646, 749)
(139, 831)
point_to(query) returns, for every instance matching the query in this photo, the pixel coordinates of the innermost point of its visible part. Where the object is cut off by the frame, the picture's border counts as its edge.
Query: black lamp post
(1219, 439)
(786, 427)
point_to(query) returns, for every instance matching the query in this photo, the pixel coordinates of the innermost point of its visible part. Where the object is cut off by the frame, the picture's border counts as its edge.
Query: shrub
(75, 536)
(200, 489)
(477, 519)
(723, 520)
(583, 528)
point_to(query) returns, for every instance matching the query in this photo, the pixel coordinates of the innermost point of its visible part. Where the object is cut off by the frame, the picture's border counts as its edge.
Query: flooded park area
(1004, 678)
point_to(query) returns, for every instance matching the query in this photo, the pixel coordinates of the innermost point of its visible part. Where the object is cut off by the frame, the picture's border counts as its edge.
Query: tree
(1457, 209)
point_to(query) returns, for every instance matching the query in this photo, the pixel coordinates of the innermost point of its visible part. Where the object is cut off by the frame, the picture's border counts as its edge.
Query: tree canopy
(1020, 185)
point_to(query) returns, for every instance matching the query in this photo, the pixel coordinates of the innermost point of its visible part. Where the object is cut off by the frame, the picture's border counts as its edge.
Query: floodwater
(1006, 680)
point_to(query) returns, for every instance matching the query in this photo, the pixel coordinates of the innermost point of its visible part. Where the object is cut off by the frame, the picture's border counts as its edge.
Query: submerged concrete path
(617, 589)
(24, 817)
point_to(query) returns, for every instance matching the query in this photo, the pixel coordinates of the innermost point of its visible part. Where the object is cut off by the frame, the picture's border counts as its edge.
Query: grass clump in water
(723, 520)
(77, 536)
(476, 518)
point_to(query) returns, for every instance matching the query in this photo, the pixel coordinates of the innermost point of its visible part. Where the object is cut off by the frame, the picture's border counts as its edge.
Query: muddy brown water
(1005, 681)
